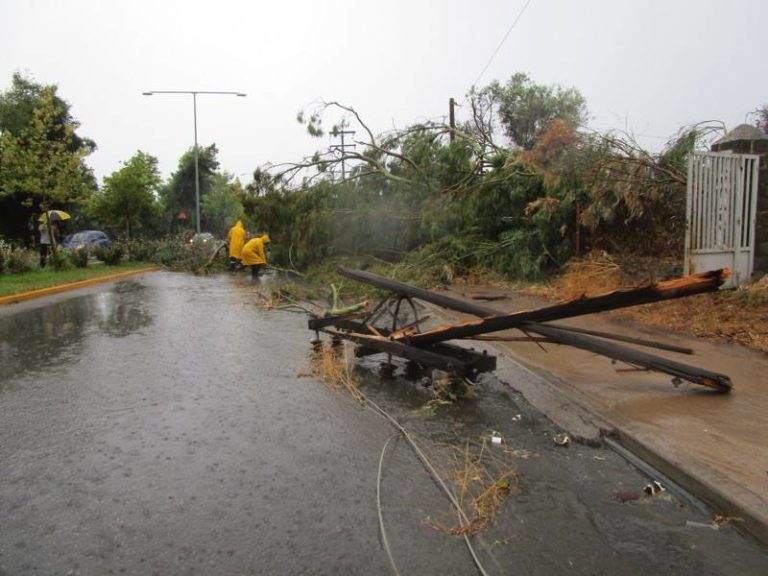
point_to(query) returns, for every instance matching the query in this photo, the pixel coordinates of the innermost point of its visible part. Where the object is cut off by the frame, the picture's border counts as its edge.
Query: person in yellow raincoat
(254, 255)
(236, 241)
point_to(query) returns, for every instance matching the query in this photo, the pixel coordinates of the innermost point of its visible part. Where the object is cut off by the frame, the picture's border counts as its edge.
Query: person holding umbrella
(49, 232)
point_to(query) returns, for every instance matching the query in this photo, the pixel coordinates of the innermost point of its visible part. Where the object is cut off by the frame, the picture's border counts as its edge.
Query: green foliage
(526, 109)
(179, 193)
(18, 107)
(439, 263)
(761, 118)
(128, 199)
(263, 182)
(141, 250)
(173, 252)
(432, 199)
(5, 254)
(60, 260)
(313, 123)
(110, 255)
(41, 155)
(79, 257)
(625, 199)
(21, 260)
(169, 251)
(37, 278)
(221, 207)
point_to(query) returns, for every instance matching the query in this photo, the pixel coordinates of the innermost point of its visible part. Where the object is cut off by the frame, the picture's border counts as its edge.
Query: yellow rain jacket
(253, 251)
(236, 239)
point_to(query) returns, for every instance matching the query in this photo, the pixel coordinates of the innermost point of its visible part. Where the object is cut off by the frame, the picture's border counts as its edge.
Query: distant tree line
(43, 166)
(520, 187)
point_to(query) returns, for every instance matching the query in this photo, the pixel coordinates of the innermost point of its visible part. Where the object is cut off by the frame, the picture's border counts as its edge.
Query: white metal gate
(721, 214)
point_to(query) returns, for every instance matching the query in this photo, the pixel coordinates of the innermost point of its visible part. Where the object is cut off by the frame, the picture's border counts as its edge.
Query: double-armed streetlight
(194, 94)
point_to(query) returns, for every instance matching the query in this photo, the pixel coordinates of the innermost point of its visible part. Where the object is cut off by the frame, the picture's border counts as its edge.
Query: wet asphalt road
(160, 426)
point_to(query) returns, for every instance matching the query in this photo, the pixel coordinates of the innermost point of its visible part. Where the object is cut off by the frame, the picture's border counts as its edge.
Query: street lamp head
(241, 94)
(147, 93)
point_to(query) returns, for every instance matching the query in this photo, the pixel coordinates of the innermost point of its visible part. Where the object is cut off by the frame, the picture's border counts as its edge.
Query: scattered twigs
(435, 476)
(205, 267)
(482, 479)
(281, 299)
(344, 310)
(285, 270)
(334, 367)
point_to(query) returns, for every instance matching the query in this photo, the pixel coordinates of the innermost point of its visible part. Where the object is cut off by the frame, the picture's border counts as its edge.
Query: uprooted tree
(521, 208)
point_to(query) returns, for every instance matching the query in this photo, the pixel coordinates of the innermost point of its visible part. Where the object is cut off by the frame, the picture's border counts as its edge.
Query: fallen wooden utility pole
(483, 311)
(636, 357)
(532, 321)
(680, 288)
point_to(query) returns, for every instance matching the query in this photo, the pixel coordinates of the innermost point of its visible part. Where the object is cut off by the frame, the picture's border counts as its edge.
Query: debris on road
(561, 439)
(431, 349)
(653, 488)
(694, 524)
(625, 496)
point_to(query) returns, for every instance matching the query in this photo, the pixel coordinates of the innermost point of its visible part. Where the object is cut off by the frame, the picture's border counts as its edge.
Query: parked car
(86, 238)
(202, 238)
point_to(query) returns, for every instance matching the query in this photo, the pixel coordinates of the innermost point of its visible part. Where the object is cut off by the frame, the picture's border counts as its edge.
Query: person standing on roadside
(32, 231)
(236, 241)
(49, 234)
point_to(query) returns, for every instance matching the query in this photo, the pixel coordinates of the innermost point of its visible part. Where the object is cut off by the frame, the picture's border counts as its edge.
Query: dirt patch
(739, 316)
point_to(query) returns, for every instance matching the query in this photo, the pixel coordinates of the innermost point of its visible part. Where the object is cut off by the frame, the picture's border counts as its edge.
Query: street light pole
(197, 169)
(194, 94)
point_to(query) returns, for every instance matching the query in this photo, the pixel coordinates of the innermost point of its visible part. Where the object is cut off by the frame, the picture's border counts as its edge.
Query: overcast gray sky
(647, 66)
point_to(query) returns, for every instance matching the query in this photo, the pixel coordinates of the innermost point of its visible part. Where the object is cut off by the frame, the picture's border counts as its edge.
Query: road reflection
(50, 335)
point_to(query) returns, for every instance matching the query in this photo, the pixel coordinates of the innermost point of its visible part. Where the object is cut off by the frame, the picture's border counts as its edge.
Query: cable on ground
(384, 539)
(431, 469)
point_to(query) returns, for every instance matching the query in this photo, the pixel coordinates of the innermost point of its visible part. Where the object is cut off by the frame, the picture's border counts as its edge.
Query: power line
(520, 14)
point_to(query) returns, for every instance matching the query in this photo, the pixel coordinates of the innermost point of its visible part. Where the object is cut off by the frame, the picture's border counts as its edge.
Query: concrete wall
(759, 147)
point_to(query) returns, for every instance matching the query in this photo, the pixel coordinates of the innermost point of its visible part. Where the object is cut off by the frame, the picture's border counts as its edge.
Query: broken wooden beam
(485, 312)
(681, 287)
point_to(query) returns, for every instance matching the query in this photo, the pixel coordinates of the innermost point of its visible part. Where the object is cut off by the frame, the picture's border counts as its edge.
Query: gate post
(747, 139)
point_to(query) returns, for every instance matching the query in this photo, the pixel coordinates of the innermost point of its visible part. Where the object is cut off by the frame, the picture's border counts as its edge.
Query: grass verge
(12, 284)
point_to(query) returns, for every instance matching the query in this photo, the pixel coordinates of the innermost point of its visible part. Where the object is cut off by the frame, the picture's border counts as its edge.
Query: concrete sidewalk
(713, 445)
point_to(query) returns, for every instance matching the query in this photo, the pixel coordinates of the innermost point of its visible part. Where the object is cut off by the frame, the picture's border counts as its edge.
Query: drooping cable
(519, 15)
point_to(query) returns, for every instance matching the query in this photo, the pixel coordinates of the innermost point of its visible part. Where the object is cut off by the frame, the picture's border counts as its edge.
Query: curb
(22, 296)
(712, 489)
